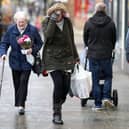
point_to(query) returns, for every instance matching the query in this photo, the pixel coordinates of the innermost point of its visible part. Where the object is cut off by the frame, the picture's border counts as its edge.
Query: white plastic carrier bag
(81, 82)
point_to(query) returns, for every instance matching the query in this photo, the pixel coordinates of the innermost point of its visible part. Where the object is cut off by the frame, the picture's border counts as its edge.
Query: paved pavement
(39, 106)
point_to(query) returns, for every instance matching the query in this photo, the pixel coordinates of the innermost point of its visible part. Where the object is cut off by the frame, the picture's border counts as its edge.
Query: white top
(60, 24)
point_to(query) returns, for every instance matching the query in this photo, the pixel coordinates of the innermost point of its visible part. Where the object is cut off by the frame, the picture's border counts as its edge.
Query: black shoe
(21, 111)
(57, 120)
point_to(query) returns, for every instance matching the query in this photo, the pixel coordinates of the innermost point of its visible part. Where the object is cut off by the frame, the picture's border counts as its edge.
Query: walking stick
(2, 74)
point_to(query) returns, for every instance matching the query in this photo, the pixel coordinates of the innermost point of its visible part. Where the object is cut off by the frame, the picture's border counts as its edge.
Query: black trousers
(20, 80)
(61, 81)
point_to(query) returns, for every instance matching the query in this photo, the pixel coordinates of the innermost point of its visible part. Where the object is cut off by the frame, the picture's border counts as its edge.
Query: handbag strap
(85, 67)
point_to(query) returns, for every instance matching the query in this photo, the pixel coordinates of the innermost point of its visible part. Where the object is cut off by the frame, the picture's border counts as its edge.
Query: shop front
(5, 15)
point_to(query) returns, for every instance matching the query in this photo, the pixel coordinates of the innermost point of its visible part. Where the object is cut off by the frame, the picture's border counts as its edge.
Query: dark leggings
(61, 81)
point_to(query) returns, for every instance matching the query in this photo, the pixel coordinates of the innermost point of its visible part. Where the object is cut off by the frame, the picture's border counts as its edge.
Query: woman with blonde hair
(59, 54)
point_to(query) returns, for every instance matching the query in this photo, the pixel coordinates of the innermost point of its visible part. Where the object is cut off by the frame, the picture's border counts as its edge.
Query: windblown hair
(56, 6)
(20, 15)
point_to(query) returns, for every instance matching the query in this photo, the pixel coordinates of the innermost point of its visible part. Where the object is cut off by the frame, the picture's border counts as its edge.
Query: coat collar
(16, 31)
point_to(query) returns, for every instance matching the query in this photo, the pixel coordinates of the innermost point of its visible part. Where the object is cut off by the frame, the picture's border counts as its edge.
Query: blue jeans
(101, 69)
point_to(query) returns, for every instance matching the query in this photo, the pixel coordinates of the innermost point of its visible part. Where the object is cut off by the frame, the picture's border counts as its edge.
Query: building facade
(81, 10)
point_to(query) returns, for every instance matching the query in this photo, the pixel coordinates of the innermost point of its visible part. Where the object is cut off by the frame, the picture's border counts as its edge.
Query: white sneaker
(97, 109)
(108, 104)
(21, 110)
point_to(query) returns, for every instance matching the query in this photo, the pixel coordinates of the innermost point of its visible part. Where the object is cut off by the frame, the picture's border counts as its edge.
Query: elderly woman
(20, 66)
(59, 54)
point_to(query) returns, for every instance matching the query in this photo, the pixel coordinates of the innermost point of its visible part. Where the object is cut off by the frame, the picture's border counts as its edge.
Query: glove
(53, 16)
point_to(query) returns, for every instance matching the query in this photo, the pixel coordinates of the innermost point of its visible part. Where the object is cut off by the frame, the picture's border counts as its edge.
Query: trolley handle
(113, 56)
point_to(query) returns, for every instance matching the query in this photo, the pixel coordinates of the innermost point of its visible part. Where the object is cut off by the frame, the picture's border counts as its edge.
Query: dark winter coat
(59, 52)
(100, 36)
(17, 60)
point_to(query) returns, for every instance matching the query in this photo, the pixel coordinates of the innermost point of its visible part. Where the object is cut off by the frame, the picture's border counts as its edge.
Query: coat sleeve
(4, 45)
(37, 42)
(48, 27)
(85, 34)
(114, 35)
(76, 57)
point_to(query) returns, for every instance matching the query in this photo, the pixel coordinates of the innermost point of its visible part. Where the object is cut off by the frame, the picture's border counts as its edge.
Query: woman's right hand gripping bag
(81, 82)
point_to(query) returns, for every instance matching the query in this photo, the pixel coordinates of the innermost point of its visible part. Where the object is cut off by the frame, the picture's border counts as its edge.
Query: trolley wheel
(115, 97)
(84, 102)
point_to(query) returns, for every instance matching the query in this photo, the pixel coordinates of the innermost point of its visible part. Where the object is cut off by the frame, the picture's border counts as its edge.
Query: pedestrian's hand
(53, 16)
(114, 50)
(3, 57)
(29, 51)
(78, 61)
(26, 51)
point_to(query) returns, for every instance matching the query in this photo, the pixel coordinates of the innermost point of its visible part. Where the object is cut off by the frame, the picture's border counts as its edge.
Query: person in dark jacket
(59, 54)
(20, 66)
(100, 38)
(127, 46)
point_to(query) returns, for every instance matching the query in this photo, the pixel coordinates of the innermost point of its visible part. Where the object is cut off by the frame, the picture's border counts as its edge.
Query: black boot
(57, 116)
